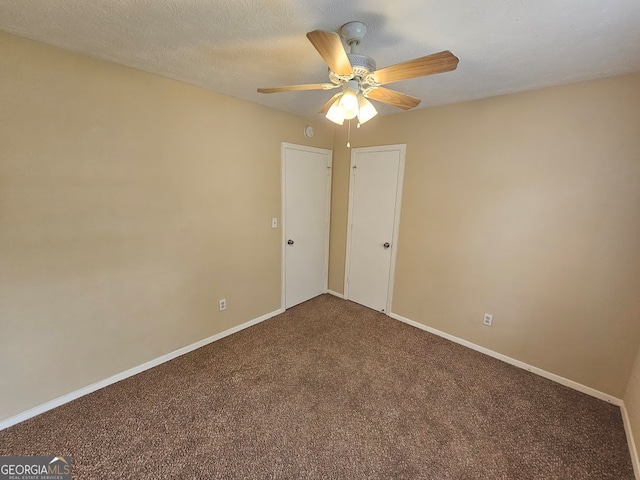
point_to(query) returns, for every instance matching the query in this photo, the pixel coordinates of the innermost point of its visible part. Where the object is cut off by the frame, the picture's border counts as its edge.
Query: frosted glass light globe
(349, 104)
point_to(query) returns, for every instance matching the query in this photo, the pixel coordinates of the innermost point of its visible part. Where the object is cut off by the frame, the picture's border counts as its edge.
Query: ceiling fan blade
(418, 67)
(297, 88)
(329, 46)
(325, 108)
(391, 97)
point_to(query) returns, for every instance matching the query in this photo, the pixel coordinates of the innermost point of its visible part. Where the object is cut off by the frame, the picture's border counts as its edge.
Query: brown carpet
(331, 389)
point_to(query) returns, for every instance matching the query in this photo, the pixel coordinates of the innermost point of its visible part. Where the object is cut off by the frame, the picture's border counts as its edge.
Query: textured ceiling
(236, 46)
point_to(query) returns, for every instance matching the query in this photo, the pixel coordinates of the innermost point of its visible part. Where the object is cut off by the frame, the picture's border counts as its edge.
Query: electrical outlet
(222, 304)
(487, 319)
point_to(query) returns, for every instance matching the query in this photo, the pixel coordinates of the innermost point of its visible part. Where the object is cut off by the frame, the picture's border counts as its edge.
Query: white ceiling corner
(235, 46)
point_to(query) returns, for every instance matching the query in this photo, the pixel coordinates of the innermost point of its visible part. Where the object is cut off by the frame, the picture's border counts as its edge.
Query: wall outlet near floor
(222, 304)
(487, 319)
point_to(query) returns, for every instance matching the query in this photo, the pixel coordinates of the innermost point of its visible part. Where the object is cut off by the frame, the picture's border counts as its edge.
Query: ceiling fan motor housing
(361, 64)
(362, 67)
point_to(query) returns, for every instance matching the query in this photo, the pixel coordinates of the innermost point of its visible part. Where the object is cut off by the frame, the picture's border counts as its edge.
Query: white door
(374, 212)
(306, 176)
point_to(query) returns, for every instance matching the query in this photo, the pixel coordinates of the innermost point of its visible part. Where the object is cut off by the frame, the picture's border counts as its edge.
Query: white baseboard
(512, 361)
(21, 417)
(335, 294)
(630, 441)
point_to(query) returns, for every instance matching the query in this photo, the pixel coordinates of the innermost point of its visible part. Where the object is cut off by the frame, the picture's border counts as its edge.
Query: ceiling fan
(356, 75)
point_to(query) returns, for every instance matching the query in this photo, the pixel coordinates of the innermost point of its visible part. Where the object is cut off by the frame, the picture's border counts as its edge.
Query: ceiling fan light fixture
(355, 72)
(349, 104)
(335, 113)
(366, 110)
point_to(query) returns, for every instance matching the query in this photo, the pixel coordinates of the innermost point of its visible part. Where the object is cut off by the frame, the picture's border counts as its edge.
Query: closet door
(374, 211)
(306, 175)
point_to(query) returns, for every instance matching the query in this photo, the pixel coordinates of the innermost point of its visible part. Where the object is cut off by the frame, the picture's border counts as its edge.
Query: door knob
(386, 244)
(290, 242)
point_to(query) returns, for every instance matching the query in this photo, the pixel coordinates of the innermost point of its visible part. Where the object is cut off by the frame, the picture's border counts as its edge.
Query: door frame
(283, 229)
(402, 149)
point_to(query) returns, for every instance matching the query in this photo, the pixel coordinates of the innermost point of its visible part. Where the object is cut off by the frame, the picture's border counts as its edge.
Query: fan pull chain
(349, 136)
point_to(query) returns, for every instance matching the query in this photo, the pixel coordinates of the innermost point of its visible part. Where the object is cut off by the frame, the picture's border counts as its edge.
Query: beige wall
(526, 206)
(632, 402)
(128, 205)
